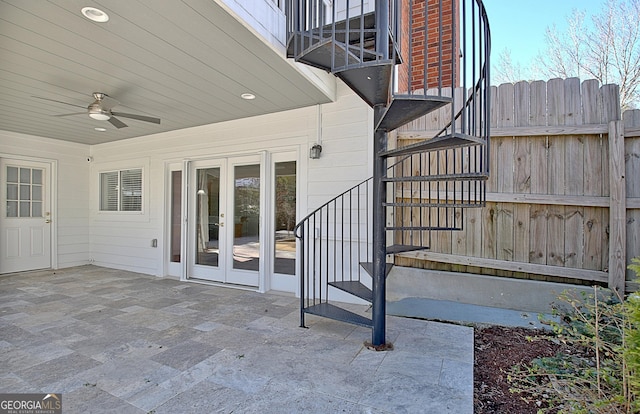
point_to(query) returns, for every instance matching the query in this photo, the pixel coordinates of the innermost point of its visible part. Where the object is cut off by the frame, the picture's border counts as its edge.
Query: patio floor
(117, 341)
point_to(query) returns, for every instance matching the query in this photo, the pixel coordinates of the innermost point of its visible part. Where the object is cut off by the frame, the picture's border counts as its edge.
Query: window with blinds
(121, 190)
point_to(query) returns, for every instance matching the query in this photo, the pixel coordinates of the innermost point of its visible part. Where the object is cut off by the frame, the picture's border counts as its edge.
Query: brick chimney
(437, 34)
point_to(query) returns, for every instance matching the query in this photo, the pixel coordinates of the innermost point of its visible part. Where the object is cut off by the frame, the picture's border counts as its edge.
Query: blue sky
(520, 25)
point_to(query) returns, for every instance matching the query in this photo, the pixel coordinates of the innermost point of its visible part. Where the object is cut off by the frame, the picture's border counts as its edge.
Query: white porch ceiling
(186, 62)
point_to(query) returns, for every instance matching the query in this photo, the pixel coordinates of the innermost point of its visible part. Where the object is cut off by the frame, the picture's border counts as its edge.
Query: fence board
(594, 217)
(548, 196)
(594, 225)
(574, 176)
(617, 232)
(492, 183)
(522, 173)
(458, 244)
(632, 168)
(489, 231)
(505, 167)
(538, 214)
(591, 102)
(632, 153)
(555, 173)
(563, 272)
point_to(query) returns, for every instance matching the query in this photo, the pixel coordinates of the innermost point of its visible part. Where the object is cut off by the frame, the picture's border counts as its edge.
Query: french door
(225, 198)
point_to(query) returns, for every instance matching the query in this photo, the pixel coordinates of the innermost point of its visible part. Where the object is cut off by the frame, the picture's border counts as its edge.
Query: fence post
(617, 208)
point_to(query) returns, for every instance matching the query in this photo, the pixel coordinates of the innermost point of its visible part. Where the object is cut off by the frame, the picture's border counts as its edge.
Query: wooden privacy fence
(563, 198)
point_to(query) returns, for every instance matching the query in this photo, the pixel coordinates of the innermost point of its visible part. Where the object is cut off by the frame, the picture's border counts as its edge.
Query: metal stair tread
(370, 80)
(406, 108)
(445, 141)
(472, 176)
(368, 267)
(302, 41)
(320, 54)
(425, 228)
(355, 288)
(365, 22)
(442, 203)
(401, 248)
(330, 311)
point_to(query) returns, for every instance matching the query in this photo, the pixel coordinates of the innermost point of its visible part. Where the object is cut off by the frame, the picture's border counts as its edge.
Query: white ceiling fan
(101, 110)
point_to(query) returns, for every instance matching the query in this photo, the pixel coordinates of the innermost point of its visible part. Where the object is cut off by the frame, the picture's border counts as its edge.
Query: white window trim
(119, 191)
(279, 281)
(100, 168)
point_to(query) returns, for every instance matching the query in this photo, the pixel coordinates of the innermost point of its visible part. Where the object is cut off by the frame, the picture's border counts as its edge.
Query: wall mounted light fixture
(314, 152)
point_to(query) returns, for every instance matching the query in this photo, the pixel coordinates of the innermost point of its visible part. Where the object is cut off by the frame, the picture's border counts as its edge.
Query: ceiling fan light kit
(96, 112)
(100, 116)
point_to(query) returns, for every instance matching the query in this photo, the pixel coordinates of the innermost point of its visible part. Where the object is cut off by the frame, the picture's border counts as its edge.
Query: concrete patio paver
(112, 340)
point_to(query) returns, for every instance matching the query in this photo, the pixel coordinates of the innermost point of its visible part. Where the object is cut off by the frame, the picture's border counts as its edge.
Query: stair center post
(379, 234)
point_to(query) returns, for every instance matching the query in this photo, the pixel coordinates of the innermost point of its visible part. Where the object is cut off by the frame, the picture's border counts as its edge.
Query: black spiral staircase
(406, 60)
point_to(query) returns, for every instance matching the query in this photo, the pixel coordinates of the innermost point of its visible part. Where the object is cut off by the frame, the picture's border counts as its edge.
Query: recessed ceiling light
(100, 129)
(248, 96)
(95, 15)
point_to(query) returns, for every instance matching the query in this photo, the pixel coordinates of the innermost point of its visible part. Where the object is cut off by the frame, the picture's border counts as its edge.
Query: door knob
(221, 224)
(47, 221)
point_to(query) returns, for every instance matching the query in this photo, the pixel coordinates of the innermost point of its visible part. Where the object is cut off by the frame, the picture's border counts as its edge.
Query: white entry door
(225, 197)
(25, 215)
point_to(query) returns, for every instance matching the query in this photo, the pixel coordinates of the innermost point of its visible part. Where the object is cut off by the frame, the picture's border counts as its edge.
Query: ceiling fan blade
(138, 117)
(74, 113)
(108, 102)
(53, 100)
(117, 123)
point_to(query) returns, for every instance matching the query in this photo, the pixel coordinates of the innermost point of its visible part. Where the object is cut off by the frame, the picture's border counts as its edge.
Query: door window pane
(24, 187)
(246, 230)
(285, 218)
(208, 219)
(12, 191)
(36, 193)
(25, 175)
(12, 209)
(176, 215)
(25, 192)
(25, 209)
(36, 176)
(36, 209)
(12, 175)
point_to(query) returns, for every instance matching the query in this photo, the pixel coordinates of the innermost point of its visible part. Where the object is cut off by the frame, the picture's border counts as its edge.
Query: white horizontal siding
(345, 160)
(72, 202)
(347, 132)
(262, 16)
